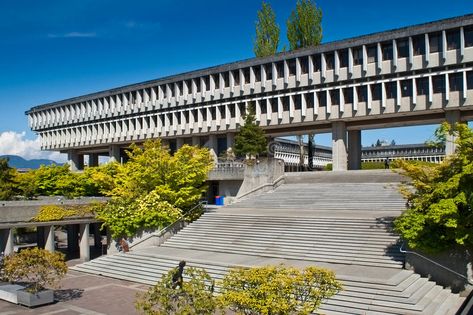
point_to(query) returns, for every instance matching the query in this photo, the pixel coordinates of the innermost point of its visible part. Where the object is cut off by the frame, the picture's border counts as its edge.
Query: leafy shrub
(57, 213)
(194, 298)
(37, 267)
(277, 289)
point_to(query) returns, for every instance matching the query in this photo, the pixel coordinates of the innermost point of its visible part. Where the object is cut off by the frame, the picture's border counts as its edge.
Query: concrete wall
(261, 176)
(457, 259)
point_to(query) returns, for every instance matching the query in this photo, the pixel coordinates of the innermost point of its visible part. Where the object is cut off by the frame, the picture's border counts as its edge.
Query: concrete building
(410, 152)
(415, 75)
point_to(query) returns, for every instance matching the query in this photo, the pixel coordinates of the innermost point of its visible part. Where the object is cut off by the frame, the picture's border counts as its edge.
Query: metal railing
(173, 225)
(405, 251)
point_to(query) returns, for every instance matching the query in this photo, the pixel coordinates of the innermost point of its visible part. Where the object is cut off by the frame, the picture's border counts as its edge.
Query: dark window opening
(226, 79)
(376, 92)
(292, 66)
(387, 49)
(180, 86)
(285, 103)
(164, 90)
(348, 95)
(236, 77)
(438, 84)
(468, 36)
(435, 42)
(186, 116)
(246, 75)
(213, 113)
(274, 105)
(216, 79)
(371, 52)
(329, 61)
(322, 98)
(304, 61)
(422, 86)
(297, 102)
(242, 108)
(257, 72)
(173, 90)
(204, 114)
(406, 88)
(357, 56)
(391, 89)
(280, 69)
(362, 93)
(455, 81)
(402, 48)
(223, 113)
(263, 106)
(178, 117)
(309, 100)
(335, 97)
(469, 80)
(189, 86)
(418, 44)
(343, 58)
(197, 85)
(453, 39)
(231, 107)
(317, 62)
(269, 71)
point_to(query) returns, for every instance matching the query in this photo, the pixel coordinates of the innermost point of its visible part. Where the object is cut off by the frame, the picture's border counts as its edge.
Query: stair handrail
(170, 226)
(405, 251)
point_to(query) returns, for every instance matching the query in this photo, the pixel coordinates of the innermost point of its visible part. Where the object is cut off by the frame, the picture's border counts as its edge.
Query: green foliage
(328, 167)
(57, 213)
(277, 289)
(440, 212)
(7, 177)
(304, 26)
(267, 32)
(195, 296)
(372, 165)
(38, 267)
(250, 140)
(153, 188)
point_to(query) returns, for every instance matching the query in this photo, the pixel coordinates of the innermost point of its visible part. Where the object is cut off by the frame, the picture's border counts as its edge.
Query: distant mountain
(19, 162)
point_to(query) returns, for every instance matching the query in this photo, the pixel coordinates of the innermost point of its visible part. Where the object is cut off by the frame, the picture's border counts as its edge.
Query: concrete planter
(35, 299)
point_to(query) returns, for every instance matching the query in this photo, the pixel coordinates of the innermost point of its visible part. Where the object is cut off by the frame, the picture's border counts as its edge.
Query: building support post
(310, 151)
(212, 145)
(114, 153)
(339, 146)
(230, 140)
(84, 242)
(75, 160)
(179, 143)
(93, 159)
(452, 117)
(6, 241)
(354, 149)
(49, 242)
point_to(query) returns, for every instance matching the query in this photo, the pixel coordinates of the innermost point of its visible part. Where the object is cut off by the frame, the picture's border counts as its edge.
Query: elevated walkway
(341, 221)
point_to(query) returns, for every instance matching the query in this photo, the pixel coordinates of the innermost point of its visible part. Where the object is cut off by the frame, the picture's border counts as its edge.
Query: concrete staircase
(338, 221)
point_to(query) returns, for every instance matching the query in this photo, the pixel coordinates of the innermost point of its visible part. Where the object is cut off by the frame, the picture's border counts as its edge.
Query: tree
(440, 213)
(304, 27)
(7, 180)
(154, 188)
(277, 289)
(267, 32)
(194, 297)
(250, 140)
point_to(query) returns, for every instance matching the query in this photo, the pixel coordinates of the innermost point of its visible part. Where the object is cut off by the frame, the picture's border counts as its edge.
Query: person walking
(386, 163)
(177, 276)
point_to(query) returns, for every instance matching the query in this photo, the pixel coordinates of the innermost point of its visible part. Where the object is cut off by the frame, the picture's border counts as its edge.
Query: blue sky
(56, 49)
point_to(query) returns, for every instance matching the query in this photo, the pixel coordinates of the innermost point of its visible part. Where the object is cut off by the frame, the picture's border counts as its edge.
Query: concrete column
(230, 139)
(6, 241)
(179, 143)
(354, 149)
(452, 117)
(195, 141)
(114, 153)
(49, 238)
(84, 242)
(75, 160)
(97, 236)
(40, 236)
(339, 146)
(212, 145)
(93, 159)
(72, 238)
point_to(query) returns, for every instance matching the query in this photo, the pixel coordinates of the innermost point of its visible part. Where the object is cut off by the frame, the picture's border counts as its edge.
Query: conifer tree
(250, 140)
(267, 32)
(304, 28)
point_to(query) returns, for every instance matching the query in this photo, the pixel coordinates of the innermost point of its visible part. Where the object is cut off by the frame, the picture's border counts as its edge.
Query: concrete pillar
(49, 243)
(75, 160)
(354, 149)
(84, 242)
(72, 238)
(452, 117)
(310, 151)
(40, 236)
(230, 139)
(93, 159)
(195, 141)
(114, 153)
(179, 143)
(212, 145)
(339, 146)
(6, 241)
(97, 236)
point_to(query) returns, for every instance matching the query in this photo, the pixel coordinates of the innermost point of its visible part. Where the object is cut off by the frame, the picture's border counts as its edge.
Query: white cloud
(14, 143)
(73, 35)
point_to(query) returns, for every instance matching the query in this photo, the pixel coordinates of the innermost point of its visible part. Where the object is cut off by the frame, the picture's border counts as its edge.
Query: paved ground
(86, 294)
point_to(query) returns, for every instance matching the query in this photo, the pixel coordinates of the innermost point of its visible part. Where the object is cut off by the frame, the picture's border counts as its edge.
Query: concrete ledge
(9, 292)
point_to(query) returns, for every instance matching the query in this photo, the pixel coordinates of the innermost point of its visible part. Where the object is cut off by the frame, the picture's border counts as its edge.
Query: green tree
(7, 180)
(440, 212)
(154, 187)
(194, 298)
(267, 32)
(250, 140)
(277, 289)
(304, 28)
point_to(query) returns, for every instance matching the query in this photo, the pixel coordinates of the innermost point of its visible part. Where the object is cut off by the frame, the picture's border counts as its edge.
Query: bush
(37, 267)
(194, 298)
(57, 213)
(277, 289)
